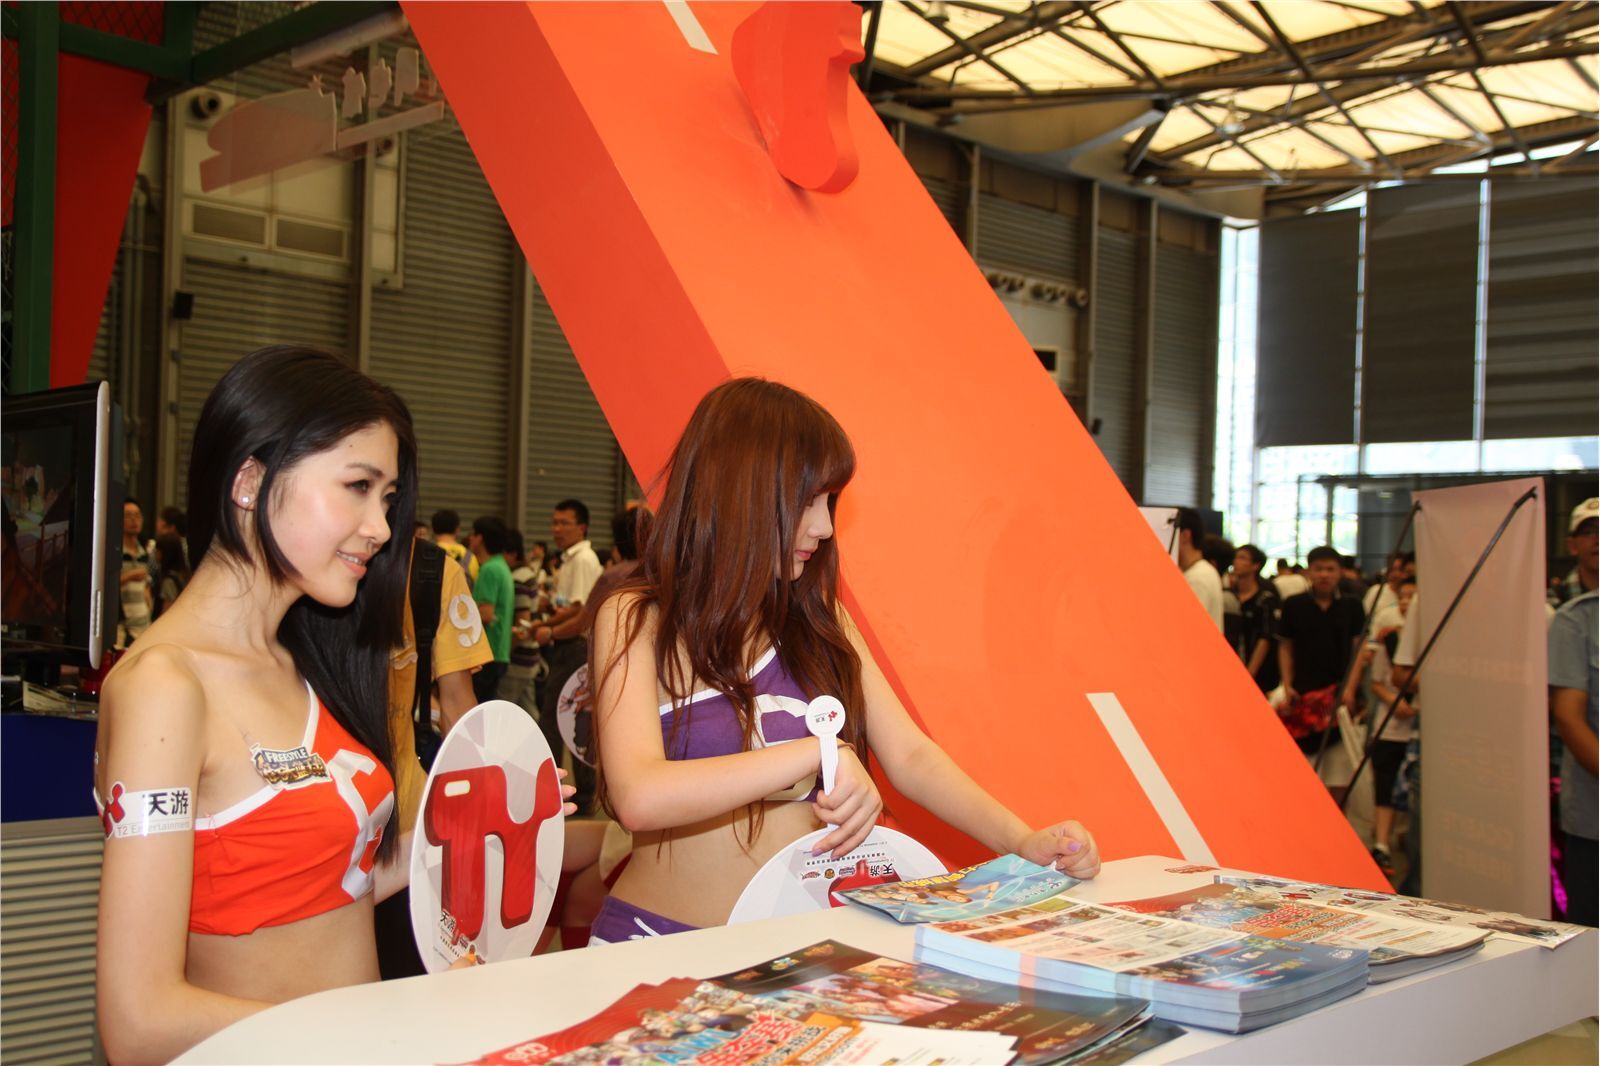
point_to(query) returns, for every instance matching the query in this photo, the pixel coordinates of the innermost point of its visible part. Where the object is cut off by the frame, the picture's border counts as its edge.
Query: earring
(244, 501)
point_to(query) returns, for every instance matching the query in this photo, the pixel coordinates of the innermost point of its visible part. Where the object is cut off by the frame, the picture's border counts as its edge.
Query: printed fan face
(486, 851)
(794, 881)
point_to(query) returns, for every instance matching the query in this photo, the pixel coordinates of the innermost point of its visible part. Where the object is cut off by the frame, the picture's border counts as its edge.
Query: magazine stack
(1009, 920)
(1395, 946)
(833, 1004)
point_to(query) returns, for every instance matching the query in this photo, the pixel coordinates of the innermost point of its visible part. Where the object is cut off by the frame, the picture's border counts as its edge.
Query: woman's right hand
(853, 806)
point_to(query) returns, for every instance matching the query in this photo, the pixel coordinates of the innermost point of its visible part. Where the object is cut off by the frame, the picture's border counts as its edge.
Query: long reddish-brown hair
(715, 570)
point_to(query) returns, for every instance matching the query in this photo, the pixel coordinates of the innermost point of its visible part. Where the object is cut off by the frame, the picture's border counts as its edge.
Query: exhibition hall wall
(1118, 297)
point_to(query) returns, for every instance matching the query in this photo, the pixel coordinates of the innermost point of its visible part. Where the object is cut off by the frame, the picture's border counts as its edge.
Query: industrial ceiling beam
(1295, 115)
(964, 46)
(1299, 60)
(1415, 163)
(1012, 25)
(1540, 29)
(1187, 84)
(1468, 30)
(1344, 45)
(276, 37)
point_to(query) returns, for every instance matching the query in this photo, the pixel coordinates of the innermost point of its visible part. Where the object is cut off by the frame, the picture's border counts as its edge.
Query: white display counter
(1498, 997)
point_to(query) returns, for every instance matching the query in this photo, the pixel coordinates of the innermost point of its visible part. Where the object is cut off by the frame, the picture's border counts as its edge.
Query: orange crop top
(293, 851)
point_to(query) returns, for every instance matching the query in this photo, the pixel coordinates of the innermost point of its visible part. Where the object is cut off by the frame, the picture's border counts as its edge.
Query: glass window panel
(1542, 453)
(1423, 457)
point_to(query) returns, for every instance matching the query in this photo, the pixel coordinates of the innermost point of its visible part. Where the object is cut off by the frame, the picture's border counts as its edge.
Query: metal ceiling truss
(1422, 50)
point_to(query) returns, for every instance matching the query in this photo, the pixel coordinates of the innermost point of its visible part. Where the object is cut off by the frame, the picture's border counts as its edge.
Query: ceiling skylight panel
(1395, 141)
(1198, 22)
(903, 38)
(1180, 127)
(1304, 19)
(1048, 62)
(1291, 151)
(1468, 103)
(1342, 135)
(1411, 111)
(1552, 82)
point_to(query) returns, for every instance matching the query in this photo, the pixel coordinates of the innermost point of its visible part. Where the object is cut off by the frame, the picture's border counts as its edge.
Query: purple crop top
(711, 726)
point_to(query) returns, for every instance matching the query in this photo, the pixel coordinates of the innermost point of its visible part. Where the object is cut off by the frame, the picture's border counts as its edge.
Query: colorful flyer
(795, 881)
(486, 851)
(987, 888)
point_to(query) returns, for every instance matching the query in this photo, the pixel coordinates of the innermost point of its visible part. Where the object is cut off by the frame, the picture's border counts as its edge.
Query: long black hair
(277, 406)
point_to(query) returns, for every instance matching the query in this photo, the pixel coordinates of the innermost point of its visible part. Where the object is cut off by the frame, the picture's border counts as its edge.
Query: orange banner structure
(1005, 579)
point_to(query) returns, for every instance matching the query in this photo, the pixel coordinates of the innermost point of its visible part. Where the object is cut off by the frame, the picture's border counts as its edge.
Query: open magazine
(1395, 946)
(830, 1003)
(1429, 912)
(836, 979)
(997, 885)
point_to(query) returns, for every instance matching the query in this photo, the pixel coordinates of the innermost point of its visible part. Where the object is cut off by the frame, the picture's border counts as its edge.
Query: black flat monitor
(62, 492)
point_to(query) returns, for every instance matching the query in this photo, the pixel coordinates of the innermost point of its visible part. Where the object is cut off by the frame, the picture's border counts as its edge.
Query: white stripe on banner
(694, 34)
(1157, 789)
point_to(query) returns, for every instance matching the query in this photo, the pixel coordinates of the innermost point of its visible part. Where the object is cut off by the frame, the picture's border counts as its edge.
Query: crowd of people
(260, 748)
(1330, 651)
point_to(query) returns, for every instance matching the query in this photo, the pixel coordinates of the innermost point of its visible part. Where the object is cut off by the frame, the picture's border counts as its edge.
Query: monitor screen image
(38, 497)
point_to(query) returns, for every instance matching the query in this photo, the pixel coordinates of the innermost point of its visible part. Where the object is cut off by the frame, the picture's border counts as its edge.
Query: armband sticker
(140, 814)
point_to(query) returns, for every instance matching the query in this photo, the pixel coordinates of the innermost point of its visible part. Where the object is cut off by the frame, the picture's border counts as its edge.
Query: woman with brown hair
(708, 653)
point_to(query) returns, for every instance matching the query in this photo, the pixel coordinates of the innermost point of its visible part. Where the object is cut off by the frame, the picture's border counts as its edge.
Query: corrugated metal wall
(1026, 239)
(49, 888)
(1115, 400)
(238, 309)
(444, 341)
(1542, 315)
(1418, 373)
(106, 336)
(951, 199)
(1185, 377)
(571, 452)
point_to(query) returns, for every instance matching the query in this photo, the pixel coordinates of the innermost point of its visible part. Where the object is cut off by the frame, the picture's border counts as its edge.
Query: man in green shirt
(495, 594)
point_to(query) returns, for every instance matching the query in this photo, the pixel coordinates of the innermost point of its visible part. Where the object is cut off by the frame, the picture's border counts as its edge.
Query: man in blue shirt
(1573, 654)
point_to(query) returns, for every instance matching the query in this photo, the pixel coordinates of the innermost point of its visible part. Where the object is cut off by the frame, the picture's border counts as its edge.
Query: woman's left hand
(567, 792)
(1067, 846)
(853, 806)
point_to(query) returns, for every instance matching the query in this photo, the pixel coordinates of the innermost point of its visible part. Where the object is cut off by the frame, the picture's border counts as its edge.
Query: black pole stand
(1416, 670)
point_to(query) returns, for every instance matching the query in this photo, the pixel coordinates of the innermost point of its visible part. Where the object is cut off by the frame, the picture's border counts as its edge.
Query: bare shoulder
(159, 685)
(623, 611)
(848, 624)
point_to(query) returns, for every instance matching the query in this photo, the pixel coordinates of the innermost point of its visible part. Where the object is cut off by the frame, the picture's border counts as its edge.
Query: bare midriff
(282, 962)
(695, 873)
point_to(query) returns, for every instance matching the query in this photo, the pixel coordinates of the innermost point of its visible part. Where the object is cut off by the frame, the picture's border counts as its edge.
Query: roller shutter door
(1418, 371)
(1306, 329)
(1115, 402)
(1026, 239)
(572, 452)
(1540, 379)
(237, 310)
(444, 341)
(1183, 390)
(951, 199)
(49, 889)
(105, 338)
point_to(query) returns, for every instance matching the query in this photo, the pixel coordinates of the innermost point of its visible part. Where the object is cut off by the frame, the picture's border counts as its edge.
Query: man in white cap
(1583, 542)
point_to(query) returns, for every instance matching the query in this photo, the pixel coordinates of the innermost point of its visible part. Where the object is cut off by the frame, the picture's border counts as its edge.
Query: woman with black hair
(243, 759)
